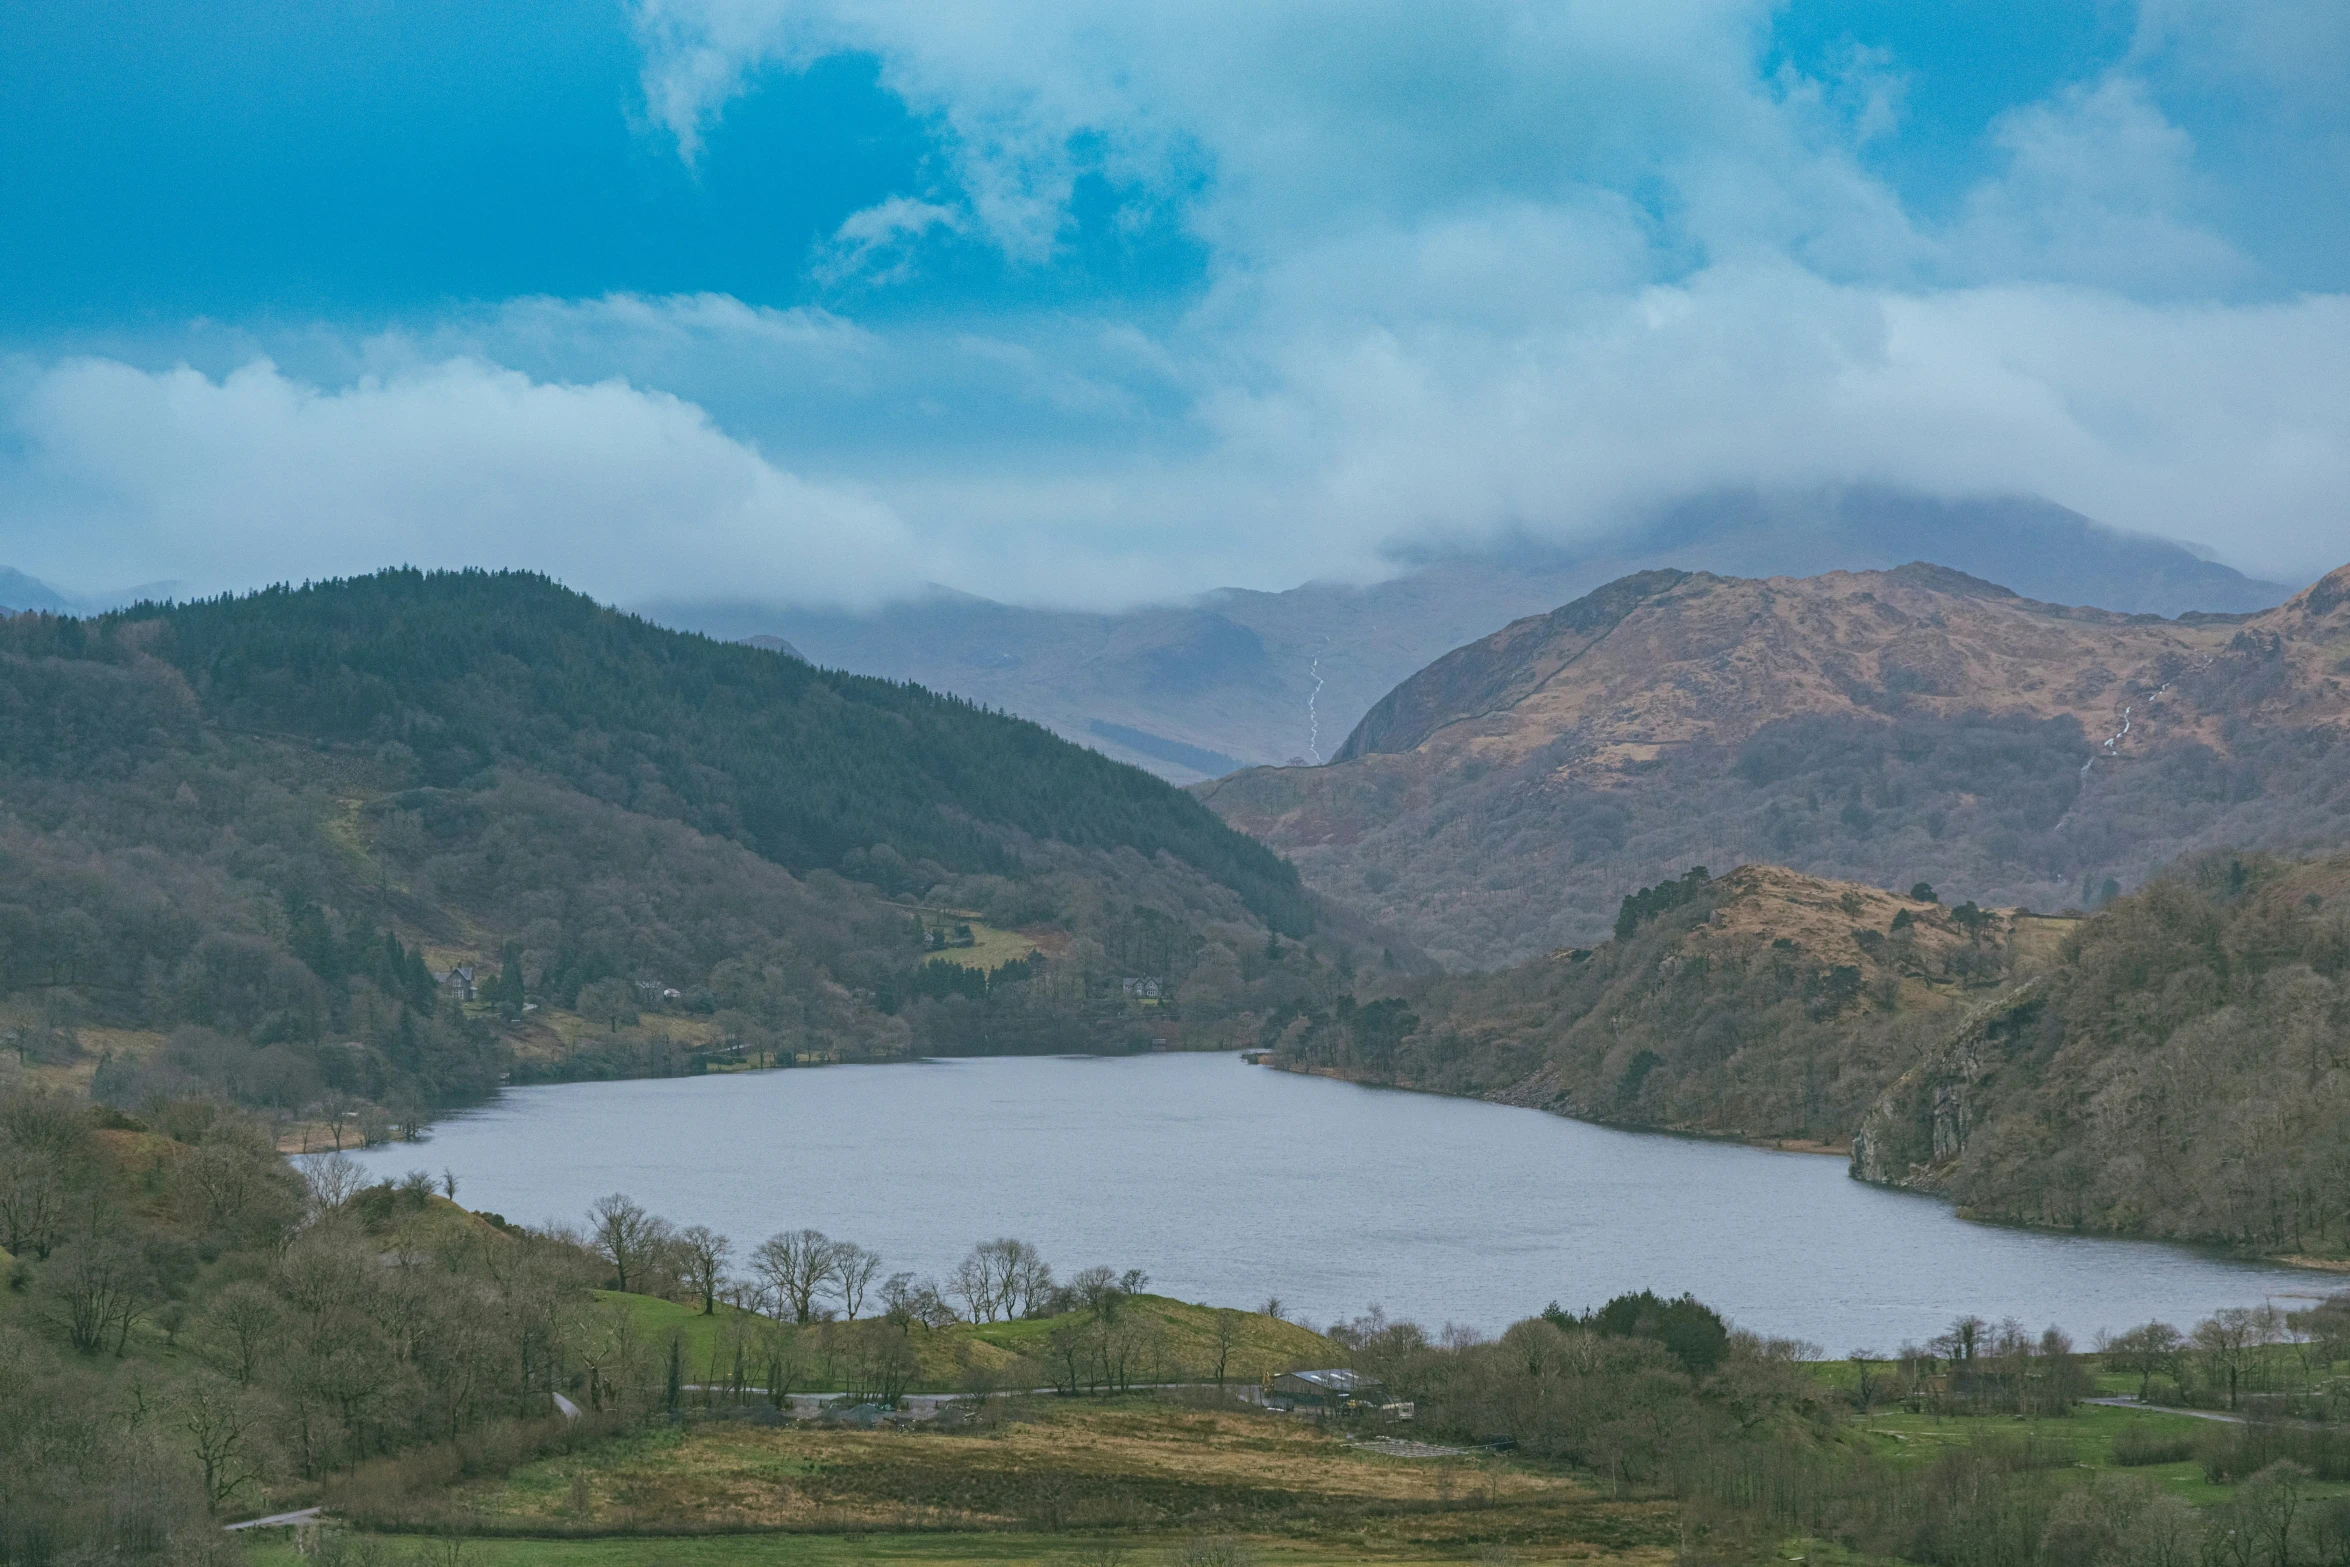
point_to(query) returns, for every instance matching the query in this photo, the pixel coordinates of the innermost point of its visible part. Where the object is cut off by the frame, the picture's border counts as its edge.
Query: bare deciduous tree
(795, 1265)
(853, 1268)
(333, 1179)
(973, 1282)
(705, 1253)
(625, 1236)
(1224, 1337)
(244, 1322)
(2226, 1341)
(610, 1002)
(98, 1287)
(219, 1419)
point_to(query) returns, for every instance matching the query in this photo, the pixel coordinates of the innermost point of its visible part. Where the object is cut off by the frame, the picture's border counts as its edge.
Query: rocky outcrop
(1916, 1132)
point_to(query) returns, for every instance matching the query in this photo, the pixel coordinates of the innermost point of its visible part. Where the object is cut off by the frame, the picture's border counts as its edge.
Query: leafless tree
(1096, 1289)
(1224, 1336)
(1006, 1277)
(1864, 1380)
(626, 1237)
(973, 1282)
(705, 1253)
(853, 1268)
(1028, 1279)
(2149, 1351)
(333, 1179)
(98, 1287)
(244, 1322)
(2226, 1341)
(219, 1419)
(898, 1295)
(795, 1265)
(610, 1002)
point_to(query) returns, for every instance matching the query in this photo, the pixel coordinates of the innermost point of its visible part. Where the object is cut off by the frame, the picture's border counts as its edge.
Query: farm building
(1338, 1389)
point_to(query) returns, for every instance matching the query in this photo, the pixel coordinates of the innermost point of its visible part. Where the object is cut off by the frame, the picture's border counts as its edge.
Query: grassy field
(959, 1550)
(991, 948)
(953, 1357)
(1140, 1480)
(1041, 1480)
(2083, 1439)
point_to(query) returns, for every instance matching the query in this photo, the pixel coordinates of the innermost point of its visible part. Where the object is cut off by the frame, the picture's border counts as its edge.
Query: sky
(819, 301)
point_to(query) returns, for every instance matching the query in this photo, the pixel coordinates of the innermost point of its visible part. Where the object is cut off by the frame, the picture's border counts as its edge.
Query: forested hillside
(1872, 727)
(2184, 1072)
(245, 845)
(1760, 1003)
(2176, 1065)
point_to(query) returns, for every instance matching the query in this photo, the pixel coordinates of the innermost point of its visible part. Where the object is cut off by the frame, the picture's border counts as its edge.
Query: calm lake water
(1228, 1183)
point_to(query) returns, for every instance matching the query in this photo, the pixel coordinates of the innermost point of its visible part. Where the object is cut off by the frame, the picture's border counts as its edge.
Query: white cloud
(1270, 123)
(877, 245)
(1472, 268)
(258, 477)
(2101, 189)
(1264, 444)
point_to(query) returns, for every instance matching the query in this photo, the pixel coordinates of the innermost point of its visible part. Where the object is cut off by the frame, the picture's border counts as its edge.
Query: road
(2172, 1409)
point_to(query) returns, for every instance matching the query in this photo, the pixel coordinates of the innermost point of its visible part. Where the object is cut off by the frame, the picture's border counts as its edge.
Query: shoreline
(1840, 1148)
(2299, 1261)
(310, 1136)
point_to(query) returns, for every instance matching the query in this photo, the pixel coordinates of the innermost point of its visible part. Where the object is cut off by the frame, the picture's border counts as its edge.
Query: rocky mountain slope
(1196, 690)
(1881, 727)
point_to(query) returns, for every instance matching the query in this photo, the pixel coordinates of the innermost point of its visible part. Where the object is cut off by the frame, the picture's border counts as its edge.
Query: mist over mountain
(19, 592)
(1239, 677)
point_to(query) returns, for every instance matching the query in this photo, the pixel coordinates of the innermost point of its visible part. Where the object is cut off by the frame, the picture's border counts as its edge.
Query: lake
(1230, 1183)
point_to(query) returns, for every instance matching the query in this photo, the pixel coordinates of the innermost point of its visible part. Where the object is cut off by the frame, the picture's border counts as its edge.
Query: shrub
(2142, 1442)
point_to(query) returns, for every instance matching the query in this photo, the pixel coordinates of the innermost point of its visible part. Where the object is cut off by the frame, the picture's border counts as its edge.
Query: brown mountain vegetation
(1875, 727)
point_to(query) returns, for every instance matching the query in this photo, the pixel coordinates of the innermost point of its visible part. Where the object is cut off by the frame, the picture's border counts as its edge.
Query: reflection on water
(1230, 1183)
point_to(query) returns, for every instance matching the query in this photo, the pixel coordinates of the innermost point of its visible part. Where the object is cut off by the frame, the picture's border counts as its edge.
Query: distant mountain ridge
(1873, 726)
(21, 593)
(1238, 676)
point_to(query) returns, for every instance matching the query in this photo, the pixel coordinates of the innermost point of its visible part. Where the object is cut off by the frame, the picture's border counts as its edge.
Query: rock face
(1915, 1132)
(1874, 726)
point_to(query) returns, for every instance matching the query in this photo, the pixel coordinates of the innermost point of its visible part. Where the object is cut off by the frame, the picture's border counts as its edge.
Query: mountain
(2170, 1066)
(1199, 689)
(390, 838)
(1882, 727)
(21, 593)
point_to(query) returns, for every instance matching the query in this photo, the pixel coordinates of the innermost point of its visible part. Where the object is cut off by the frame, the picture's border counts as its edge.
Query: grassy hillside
(241, 842)
(1009, 1355)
